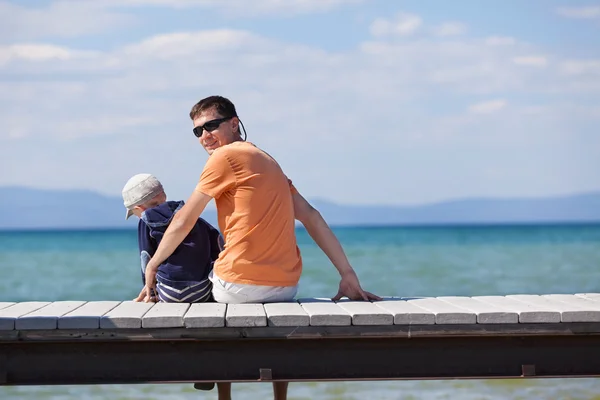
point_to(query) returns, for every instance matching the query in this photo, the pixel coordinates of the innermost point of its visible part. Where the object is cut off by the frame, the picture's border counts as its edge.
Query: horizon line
(324, 199)
(508, 224)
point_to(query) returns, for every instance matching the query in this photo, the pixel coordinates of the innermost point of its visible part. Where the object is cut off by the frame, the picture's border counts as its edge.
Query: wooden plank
(6, 304)
(324, 312)
(46, 317)
(568, 312)
(528, 313)
(128, 314)
(165, 315)
(304, 332)
(87, 316)
(205, 315)
(9, 314)
(405, 313)
(446, 313)
(486, 313)
(589, 296)
(582, 302)
(366, 313)
(286, 314)
(245, 315)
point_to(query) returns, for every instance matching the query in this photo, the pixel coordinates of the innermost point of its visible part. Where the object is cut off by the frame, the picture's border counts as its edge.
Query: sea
(400, 261)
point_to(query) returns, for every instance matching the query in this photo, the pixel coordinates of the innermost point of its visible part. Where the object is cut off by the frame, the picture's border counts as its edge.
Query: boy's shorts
(183, 291)
(235, 293)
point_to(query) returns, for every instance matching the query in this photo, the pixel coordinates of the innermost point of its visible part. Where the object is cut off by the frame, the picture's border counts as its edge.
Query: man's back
(256, 216)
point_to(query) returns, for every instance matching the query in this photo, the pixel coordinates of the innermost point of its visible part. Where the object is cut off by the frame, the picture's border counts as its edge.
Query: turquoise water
(415, 261)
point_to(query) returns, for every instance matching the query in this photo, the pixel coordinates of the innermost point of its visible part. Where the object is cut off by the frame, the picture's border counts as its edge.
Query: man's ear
(235, 125)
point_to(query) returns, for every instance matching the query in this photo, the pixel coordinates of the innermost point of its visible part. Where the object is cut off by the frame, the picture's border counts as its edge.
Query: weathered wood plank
(568, 312)
(165, 315)
(324, 312)
(128, 314)
(445, 313)
(205, 315)
(304, 332)
(528, 313)
(405, 313)
(5, 304)
(9, 314)
(486, 313)
(286, 314)
(87, 316)
(245, 315)
(46, 317)
(366, 313)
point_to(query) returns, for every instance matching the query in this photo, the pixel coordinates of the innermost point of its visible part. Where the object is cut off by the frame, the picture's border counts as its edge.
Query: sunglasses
(209, 126)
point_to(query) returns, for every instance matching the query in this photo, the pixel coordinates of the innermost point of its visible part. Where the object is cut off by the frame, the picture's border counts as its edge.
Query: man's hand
(350, 287)
(143, 298)
(146, 295)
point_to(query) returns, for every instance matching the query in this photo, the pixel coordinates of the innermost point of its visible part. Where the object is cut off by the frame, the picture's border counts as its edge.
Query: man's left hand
(350, 287)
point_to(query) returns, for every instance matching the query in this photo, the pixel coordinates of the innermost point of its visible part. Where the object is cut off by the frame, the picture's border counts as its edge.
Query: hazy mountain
(575, 208)
(23, 208)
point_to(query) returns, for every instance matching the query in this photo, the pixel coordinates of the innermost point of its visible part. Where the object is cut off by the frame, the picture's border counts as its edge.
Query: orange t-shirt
(256, 215)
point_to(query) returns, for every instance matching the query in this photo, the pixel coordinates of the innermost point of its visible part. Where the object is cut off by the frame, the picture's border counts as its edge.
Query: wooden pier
(77, 342)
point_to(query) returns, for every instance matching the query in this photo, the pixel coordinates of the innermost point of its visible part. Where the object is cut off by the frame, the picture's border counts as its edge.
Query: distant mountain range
(26, 208)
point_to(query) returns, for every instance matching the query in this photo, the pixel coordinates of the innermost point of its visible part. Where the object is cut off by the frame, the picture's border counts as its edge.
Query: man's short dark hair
(224, 107)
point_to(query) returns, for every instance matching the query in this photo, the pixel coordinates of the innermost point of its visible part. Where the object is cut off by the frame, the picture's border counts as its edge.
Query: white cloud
(33, 52)
(581, 67)
(231, 7)
(580, 12)
(60, 18)
(500, 41)
(184, 44)
(403, 24)
(73, 18)
(487, 107)
(267, 6)
(531, 61)
(450, 29)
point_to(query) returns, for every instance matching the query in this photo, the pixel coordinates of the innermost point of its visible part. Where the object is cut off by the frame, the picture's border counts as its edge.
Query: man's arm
(180, 226)
(324, 237)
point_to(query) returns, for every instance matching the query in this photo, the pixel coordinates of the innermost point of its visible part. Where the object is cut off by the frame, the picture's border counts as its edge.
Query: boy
(182, 277)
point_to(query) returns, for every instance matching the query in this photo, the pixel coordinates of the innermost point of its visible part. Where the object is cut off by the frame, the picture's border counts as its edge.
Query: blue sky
(362, 102)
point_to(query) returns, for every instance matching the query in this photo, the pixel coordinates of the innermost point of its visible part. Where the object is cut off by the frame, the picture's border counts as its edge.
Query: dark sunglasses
(209, 126)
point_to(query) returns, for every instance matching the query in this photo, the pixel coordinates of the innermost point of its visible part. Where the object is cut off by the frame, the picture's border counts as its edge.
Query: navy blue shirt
(192, 260)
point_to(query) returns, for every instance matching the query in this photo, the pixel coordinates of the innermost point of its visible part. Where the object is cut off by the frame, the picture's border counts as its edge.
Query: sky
(360, 101)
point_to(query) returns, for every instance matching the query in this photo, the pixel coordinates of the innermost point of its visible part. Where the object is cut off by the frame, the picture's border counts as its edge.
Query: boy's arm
(146, 246)
(324, 237)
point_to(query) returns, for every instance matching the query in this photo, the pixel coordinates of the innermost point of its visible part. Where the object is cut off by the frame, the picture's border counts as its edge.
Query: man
(256, 206)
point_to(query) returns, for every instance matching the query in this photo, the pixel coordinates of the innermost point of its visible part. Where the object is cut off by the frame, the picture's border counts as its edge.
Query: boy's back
(183, 276)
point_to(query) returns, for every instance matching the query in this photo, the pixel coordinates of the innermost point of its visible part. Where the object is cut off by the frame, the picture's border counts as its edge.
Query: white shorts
(235, 293)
